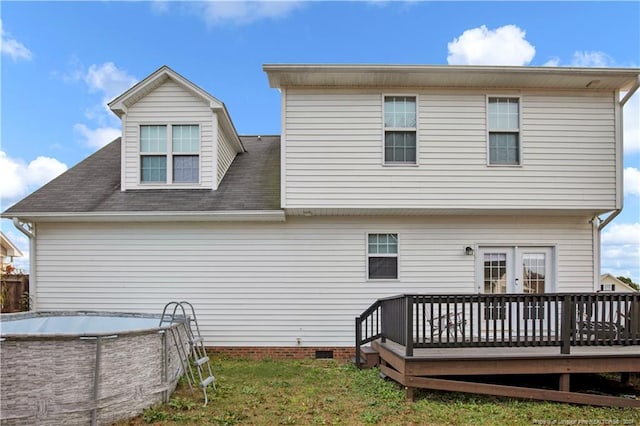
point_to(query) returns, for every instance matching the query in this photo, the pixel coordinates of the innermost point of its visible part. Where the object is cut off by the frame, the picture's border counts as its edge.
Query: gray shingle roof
(251, 183)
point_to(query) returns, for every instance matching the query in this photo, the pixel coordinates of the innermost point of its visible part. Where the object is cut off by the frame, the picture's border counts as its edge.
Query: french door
(515, 269)
(511, 269)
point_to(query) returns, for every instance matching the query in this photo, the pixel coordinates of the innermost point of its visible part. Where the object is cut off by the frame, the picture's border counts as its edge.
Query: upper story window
(504, 131)
(400, 130)
(176, 162)
(382, 254)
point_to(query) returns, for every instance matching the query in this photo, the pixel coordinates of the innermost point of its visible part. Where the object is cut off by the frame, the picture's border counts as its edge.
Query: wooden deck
(446, 342)
(426, 367)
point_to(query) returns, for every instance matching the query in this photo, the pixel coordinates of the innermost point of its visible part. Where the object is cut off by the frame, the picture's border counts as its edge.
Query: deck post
(358, 340)
(567, 316)
(409, 393)
(408, 332)
(565, 382)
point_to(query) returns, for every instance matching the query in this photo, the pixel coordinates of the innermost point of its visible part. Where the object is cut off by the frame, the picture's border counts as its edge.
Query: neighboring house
(385, 180)
(609, 283)
(7, 252)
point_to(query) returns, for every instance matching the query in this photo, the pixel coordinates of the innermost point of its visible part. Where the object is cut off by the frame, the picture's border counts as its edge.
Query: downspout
(622, 102)
(597, 223)
(595, 234)
(29, 229)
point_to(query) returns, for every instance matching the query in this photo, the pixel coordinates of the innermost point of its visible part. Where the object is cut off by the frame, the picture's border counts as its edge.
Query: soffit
(442, 76)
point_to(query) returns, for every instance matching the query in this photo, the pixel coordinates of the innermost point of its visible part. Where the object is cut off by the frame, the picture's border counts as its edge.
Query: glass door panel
(495, 271)
(534, 270)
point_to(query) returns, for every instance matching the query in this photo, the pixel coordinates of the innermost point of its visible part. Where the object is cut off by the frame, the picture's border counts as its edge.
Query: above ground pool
(84, 367)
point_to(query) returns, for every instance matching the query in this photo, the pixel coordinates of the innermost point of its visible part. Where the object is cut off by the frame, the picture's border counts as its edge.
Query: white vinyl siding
(226, 154)
(169, 104)
(268, 284)
(333, 152)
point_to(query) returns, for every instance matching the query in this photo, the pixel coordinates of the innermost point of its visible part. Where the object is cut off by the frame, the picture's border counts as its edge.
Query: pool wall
(52, 379)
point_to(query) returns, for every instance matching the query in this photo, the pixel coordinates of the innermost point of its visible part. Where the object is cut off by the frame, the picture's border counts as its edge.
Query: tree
(629, 281)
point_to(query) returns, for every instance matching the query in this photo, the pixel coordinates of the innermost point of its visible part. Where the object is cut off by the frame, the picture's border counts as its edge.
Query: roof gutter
(29, 229)
(155, 216)
(622, 102)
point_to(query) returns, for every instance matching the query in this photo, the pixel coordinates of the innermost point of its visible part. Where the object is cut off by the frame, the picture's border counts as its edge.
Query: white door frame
(514, 255)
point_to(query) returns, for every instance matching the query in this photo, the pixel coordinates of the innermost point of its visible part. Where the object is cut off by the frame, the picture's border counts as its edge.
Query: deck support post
(565, 382)
(409, 393)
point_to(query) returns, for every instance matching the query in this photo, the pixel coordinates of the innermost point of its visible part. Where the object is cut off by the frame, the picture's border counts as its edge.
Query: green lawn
(319, 392)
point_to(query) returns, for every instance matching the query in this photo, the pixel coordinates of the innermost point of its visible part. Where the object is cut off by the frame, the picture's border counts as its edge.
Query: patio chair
(452, 323)
(590, 329)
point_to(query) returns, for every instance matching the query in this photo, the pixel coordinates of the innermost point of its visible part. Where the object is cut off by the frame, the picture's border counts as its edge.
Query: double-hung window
(400, 130)
(170, 154)
(382, 256)
(504, 131)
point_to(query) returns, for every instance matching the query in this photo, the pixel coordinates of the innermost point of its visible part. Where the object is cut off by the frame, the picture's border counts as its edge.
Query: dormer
(174, 135)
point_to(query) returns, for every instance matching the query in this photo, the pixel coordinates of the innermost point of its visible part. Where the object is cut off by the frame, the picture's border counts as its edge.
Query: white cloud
(621, 234)
(243, 12)
(621, 250)
(12, 47)
(160, 7)
(631, 181)
(99, 137)
(18, 178)
(108, 79)
(553, 62)
(481, 46)
(584, 58)
(591, 59)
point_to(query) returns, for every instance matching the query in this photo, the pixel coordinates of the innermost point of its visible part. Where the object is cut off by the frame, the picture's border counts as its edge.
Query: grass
(321, 392)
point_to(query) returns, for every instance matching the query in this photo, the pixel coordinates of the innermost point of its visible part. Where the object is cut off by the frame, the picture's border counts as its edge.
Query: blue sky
(62, 61)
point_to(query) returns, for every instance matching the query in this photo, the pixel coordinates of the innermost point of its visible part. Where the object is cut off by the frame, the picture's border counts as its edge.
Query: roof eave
(279, 75)
(15, 251)
(152, 216)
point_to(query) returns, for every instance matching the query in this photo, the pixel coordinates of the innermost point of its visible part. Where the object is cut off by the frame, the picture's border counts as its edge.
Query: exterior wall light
(468, 250)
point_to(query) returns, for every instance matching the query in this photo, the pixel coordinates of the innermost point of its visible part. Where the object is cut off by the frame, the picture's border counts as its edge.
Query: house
(609, 283)
(7, 252)
(386, 179)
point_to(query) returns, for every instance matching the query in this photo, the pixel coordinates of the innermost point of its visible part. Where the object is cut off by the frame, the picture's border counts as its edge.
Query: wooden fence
(15, 293)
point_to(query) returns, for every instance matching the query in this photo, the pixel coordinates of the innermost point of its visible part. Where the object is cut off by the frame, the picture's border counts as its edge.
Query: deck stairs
(193, 355)
(369, 357)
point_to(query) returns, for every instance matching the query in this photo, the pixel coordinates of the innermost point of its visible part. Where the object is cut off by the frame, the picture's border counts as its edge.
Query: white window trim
(489, 131)
(169, 155)
(366, 257)
(401, 129)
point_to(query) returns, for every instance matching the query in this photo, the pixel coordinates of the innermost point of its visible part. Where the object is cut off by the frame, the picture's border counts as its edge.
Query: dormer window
(180, 164)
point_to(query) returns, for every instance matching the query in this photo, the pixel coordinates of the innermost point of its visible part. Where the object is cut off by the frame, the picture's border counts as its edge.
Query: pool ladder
(192, 352)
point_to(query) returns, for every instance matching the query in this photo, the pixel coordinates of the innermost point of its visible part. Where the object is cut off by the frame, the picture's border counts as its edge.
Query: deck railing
(505, 320)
